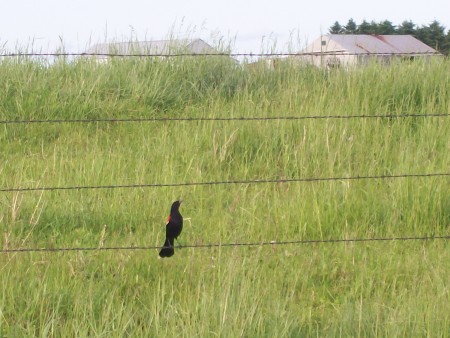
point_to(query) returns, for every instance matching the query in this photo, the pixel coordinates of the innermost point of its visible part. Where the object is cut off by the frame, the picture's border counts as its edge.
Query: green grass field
(391, 289)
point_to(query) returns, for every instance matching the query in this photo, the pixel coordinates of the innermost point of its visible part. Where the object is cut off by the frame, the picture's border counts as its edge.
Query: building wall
(332, 51)
(327, 53)
(328, 61)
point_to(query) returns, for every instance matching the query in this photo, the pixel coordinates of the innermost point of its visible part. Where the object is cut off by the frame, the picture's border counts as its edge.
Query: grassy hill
(348, 289)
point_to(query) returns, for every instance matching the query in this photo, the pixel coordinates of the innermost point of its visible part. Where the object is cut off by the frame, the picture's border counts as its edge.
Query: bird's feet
(179, 246)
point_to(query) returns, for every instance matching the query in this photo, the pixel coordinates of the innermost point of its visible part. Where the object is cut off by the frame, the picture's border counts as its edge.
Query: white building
(160, 48)
(334, 50)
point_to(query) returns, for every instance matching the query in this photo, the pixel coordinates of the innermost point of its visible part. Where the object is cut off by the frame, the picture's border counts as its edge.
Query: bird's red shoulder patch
(168, 219)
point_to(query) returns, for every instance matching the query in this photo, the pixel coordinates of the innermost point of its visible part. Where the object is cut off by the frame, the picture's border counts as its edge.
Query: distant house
(161, 48)
(334, 50)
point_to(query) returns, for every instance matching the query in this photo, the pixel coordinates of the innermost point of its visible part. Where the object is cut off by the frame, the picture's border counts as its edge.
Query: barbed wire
(220, 245)
(257, 181)
(226, 119)
(250, 54)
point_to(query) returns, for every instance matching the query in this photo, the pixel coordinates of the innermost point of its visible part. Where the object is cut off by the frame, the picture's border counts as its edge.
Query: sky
(245, 25)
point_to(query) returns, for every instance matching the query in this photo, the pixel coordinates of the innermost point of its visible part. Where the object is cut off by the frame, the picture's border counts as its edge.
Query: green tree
(407, 28)
(436, 35)
(350, 27)
(336, 28)
(446, 48)
(433, 35)
(386, 28)
(365, 28)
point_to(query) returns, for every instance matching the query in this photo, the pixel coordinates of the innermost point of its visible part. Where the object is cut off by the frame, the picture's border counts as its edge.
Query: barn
(335, 50)
(157, 48)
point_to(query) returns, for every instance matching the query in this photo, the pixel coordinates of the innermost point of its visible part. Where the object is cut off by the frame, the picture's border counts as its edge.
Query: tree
(446, 47)
(407, 28)
(365, 28)
(350, 27)
(386, 28)
(433, 35)
(436, 35)
(336, 28)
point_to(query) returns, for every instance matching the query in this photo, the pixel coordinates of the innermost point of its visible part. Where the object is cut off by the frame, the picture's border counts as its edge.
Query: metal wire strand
(281, 180)
(220, 245)
(226, 119)
(171, 55)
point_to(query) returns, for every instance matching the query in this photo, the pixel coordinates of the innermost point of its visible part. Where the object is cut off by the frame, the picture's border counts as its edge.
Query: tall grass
(373, 289)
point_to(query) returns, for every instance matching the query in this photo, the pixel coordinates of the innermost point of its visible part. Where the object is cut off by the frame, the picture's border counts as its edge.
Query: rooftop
(363, 44)
(159, 47)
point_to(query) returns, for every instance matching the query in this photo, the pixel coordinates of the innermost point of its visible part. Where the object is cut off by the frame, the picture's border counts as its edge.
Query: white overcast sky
(80, 23)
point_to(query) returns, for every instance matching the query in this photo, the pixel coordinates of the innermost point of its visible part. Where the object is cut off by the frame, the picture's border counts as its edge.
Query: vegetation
(356, 289)
(433, 34)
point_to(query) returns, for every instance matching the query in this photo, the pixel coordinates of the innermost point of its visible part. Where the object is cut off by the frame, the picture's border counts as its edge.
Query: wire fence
(225, 119)
(257, 181)
(224, 182)
(145, 53)
(224, 245)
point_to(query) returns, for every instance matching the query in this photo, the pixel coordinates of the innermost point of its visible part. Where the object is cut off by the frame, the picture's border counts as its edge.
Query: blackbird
(173, 230)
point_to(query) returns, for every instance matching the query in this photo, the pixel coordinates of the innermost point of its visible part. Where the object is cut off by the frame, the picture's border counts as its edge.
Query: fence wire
(224, 245)
(211, 183)
(144, 53)
(225, 119)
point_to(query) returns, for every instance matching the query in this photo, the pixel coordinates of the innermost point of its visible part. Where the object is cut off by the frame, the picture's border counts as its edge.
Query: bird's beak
(180, 200)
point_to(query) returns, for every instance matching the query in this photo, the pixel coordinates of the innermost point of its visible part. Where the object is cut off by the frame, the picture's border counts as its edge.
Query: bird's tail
(167, 250)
